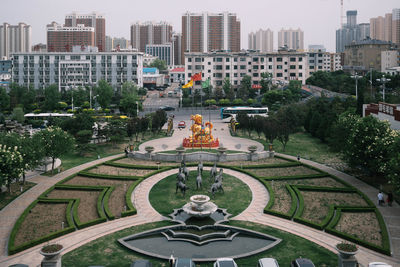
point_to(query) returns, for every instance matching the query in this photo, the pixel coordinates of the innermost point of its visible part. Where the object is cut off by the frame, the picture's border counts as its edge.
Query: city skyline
(319, 19)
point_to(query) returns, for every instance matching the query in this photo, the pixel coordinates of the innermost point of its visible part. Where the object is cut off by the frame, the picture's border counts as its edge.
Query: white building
(318, 61)
(216, 66)
(77, 69)
(389, 59)
(262, 40)
(293, 39)
(15, 38)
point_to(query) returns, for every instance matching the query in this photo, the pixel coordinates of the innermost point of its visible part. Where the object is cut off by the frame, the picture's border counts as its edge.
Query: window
(218, 67)
(255, 67)
(270, 59)
(270, 67)
(242, 67)
(320, 61)
(235, 74)
(209, 63)
(300, 67)
(235, 82)
(218, 83)
(279, 67)
(189, 67)
(262, 67)
(235, 59)
(311, 67)
(227, 75)
(301, 74)
(279, 75)
(197, 67)
(197, 59)
(219, 59)
(227, 67)
(242, 59)
(292, 67)
(255, 74)
(300, 59)
(227, 59)
(292, 59)
(242, 74)
(320, 67)
(279, 59)
(292, 74)
(255, 59)
(312, 61)
(218, 75)
(235, 67)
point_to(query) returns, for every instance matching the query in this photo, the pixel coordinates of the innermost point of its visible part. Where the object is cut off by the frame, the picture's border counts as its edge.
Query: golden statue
(201, 134)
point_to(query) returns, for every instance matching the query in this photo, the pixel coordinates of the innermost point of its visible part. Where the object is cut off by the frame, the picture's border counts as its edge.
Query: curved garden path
(146, 214)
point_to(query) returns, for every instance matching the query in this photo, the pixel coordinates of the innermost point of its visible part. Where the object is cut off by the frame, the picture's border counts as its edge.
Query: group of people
(381, 199)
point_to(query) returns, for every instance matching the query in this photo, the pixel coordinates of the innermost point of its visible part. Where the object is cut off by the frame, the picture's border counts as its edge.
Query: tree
(133, 127)
(244, 121)
(245, 87)
(368, 145)
(144, 125)
(11, 165)
(129, 105)
(159, 118)
(51, 98)
(18, 114)
(227, 87)
(4, 99)
(115, 130)
(81, 121)
(258, 125)
(129, 88)
(266, 81)
(83, 138)
(219, 93)
(159, 64)
(56, 142)
(270, 129)
(393, 170)
(287, 124)
(105, 93)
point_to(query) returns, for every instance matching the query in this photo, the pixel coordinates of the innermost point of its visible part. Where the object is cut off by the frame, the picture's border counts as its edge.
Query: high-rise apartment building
(396, 26)
(15, 38)
(97, 21)
(293, 39)
(62, 39)
(162, 51)
(351, 31)
(177, 46)
(206, 32)
(262, 40)
(150, 33)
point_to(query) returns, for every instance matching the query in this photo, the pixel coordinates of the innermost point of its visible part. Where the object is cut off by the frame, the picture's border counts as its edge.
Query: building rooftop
(177, 70)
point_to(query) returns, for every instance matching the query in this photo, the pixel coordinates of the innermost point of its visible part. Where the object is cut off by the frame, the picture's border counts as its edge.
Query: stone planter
(346, 254)
(149, 149)
(48, 255)
(252, 149)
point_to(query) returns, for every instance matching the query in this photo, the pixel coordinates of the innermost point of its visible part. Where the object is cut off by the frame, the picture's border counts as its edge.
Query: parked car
(267, 262)
(183, 262)
(212, 107)
(181, 125)
(141, 263)
(166, 108)
(301, 262)
(379, 264)
(225, 262)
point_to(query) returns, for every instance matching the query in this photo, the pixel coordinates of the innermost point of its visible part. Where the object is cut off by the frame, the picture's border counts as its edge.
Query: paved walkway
(146, 213)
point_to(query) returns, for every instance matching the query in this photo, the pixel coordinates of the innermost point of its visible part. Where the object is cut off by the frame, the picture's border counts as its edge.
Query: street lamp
(383, 80)
(356, 77)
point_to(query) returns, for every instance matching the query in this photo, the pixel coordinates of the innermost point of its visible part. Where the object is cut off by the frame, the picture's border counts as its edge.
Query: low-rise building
(77, 68)
(284, 66)
(177, 75)
(384, 111)
(389, 59)
(152, 78)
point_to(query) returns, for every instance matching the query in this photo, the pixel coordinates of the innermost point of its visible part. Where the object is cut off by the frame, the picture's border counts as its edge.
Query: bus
(231, 112)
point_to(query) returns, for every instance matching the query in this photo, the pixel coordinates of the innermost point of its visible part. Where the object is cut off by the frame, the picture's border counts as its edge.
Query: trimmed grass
(236, 198)
(6, 198)
(107, 251)
(305, 145)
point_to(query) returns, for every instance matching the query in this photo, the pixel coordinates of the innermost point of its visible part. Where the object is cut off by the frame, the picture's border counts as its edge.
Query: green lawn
(107, 251)
(6, 198)
(302, 144)
(236, 198)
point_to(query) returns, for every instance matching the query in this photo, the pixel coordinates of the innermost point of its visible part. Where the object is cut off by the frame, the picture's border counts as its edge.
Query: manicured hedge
(105, 201)
(130, 166)
(130, 210)
(277, 165)
(12, 249)
(385, 248)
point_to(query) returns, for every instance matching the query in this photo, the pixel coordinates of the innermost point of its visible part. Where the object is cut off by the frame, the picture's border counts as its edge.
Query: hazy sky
(319, 19)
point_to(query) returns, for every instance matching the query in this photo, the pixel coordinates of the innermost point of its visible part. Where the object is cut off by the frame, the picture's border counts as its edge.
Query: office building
(365, 54)
(150, 33)
(396, 26)
(207, 32)
(97, 21)
(284, 66)
(14, 38)
(364, 30)
(292, 39)
(162, 51)
(262, 40)
(62, 39)
(81, 68)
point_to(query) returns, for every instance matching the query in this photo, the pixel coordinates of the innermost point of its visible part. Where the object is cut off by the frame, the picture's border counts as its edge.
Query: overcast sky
(319, 19)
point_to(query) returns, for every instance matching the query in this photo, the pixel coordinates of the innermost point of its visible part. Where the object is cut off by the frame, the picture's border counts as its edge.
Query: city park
(152, 201)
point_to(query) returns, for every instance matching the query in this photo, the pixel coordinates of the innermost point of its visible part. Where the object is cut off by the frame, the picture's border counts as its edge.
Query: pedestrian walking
(380, 199)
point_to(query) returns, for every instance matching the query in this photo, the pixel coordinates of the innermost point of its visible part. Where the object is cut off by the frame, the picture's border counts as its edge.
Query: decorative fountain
(200, 206)
(200, 235)
(201, 134)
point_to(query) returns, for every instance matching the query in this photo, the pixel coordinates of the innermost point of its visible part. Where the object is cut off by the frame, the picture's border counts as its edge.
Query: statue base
(186, 143)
